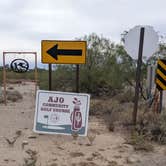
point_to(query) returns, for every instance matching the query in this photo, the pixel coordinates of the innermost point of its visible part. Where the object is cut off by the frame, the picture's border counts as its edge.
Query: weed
(91, 137)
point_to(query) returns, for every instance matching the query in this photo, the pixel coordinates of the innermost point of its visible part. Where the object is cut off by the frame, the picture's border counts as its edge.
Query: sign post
(138, 75)
(77, 78)
(141, 41)
(63, 52)
(50, 76)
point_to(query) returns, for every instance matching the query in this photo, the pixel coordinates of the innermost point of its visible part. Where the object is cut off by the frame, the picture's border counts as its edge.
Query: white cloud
(25, 23)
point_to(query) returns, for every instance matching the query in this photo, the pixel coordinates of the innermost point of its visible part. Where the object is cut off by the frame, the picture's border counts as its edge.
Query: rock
(111, 127)
(11, 141)
(18, 132)
(61, 148)
(132, 159)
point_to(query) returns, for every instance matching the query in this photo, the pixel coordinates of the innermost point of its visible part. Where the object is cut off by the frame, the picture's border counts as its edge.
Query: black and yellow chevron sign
(161, 74)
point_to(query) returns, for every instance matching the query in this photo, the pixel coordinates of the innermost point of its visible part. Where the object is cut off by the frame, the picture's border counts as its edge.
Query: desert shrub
(1, 99)
(126, 96)
(14, 96)
(114, 113)
(103, 106)
(153, 126)
(139, 142)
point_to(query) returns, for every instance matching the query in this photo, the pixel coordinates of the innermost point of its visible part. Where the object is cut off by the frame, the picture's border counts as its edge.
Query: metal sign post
(50, 76)
(77, 78)
(4, 79)
(63, 52)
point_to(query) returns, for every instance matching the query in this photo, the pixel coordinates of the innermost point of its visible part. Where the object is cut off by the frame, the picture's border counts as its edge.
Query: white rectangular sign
(61, 113)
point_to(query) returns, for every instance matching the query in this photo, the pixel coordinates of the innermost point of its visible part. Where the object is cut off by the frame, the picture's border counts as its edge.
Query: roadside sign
(61, 113)
(141, 41)
(63, 52)
(161, 75)
(150, 44)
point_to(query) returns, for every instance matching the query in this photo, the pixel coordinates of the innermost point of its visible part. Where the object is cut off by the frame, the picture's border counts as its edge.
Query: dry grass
(150, 126)
(32, 159)
(153, 126)
(139, 142)
(91, 138)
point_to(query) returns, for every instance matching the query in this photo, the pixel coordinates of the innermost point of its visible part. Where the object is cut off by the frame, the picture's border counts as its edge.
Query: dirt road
(19, 146)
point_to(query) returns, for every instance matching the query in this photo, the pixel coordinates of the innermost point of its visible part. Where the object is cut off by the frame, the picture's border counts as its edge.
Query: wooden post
(4, 78)
(36, 76)
(50, 76)
(77, 78)
(161, 101)
(138, 75)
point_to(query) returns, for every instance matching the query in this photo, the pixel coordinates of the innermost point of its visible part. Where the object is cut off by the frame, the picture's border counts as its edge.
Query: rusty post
(4, 79)
(36, 75)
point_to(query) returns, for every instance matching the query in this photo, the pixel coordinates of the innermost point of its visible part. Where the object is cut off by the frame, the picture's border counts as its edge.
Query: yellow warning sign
(63, 52)
(161, 75)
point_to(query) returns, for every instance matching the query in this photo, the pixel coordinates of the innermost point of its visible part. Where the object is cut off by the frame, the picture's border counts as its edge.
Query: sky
(24, 23)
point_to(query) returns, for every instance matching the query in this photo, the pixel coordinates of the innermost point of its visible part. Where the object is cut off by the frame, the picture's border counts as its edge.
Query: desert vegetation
(109, 77)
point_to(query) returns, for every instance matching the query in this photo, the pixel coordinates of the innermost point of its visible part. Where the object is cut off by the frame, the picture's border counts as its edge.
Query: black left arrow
(55, 52)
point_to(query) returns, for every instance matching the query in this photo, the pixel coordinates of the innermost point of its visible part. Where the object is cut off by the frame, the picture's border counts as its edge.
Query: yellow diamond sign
(63, 52)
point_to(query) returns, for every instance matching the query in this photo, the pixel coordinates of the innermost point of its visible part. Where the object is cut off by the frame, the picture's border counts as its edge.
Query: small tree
(108, 66)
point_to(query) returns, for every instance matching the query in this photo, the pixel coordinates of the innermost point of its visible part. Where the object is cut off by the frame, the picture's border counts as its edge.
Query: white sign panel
(61, 113)
(150, 44)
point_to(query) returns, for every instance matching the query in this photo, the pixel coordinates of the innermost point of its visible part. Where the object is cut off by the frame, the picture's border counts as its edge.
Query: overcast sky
(24, 23)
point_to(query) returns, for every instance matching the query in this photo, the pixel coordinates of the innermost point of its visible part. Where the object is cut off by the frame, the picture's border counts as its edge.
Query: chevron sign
(161, 74)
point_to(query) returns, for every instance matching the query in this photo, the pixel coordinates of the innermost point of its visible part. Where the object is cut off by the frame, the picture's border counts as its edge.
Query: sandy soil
(19, 146)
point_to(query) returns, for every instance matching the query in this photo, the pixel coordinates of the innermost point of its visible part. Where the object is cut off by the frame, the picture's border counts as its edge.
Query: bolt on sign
(161, 74)
(63, 52)
(61, 113)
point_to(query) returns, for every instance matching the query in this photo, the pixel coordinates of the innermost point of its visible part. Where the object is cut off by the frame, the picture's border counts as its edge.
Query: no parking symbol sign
(61, 113)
